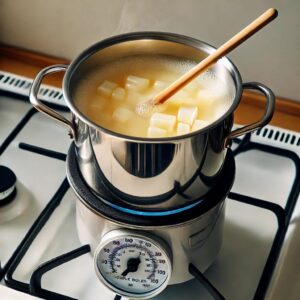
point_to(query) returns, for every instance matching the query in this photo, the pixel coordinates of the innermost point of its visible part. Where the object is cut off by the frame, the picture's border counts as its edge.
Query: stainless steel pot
(150, 173)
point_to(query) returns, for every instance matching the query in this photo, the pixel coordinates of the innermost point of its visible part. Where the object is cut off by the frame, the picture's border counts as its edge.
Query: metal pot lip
(166, 36)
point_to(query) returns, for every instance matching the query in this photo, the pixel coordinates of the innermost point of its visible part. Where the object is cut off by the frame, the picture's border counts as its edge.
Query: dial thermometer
(133, 265)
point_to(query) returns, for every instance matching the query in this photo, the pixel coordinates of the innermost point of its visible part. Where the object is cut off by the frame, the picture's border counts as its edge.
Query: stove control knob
(7, 185)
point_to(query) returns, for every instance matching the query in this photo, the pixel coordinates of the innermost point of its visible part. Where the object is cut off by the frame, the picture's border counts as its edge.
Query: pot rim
(154, 35)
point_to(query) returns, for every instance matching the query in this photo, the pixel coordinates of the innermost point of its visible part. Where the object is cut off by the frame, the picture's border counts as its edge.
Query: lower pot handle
(269, 110)
(40, 106)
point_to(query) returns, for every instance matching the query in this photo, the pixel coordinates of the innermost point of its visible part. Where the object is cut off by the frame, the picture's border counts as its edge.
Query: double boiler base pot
(138, 255)
(148, 173)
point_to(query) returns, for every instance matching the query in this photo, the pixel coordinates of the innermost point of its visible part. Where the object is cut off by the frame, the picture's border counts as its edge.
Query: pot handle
(269, 110)
(40, 106)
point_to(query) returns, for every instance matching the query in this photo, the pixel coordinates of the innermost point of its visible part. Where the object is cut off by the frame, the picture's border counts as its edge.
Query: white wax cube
(159, 85)
(136, 83)
(118, 94)
(122, 114)
(106, 88)
(187, 114)
(199, 124)
(183, 128)
(164, 121)
(99, 103)
(156, 132)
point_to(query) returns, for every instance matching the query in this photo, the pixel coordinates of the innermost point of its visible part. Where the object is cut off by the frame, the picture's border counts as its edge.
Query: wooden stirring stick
(235, 41)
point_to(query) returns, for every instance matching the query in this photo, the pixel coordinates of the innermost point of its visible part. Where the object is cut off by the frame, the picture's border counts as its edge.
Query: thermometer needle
(132, 265)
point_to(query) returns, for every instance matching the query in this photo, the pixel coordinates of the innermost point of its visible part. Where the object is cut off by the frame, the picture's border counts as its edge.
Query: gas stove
(40, 252)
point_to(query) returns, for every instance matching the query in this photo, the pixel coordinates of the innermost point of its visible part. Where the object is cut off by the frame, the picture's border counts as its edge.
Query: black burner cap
(7, 185)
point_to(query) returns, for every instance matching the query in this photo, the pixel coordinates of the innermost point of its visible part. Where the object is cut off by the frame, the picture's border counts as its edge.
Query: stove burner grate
(283, 216)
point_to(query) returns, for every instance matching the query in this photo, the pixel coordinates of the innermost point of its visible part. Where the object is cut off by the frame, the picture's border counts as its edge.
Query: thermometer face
(132, 265)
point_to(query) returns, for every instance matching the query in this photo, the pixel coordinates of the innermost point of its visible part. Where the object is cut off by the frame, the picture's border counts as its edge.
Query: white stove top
(248, 234)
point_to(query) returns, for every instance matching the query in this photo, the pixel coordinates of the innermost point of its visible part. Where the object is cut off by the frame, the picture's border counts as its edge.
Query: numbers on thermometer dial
(133, 265)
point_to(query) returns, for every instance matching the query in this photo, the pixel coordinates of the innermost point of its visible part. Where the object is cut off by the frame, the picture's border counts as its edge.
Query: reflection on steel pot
(144, 172)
